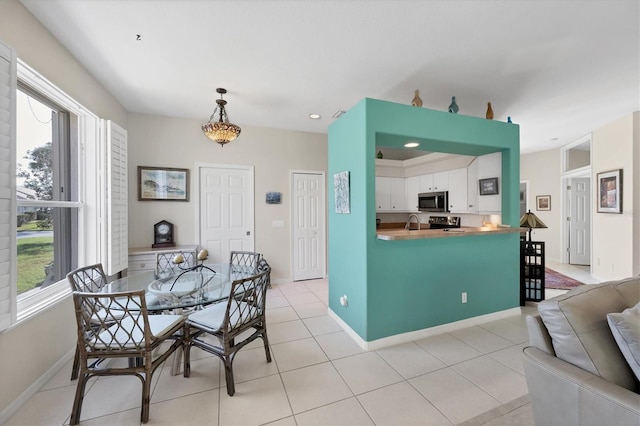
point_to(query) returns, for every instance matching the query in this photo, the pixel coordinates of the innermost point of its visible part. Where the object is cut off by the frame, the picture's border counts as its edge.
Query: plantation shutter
(117, 195)
(8, 86)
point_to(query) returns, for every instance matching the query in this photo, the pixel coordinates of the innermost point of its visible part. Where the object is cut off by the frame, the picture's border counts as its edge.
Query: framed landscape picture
(163, 184)
(543, 202)
(610, 191)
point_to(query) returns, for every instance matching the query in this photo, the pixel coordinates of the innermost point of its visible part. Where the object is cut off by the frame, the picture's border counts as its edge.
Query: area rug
(556, 280)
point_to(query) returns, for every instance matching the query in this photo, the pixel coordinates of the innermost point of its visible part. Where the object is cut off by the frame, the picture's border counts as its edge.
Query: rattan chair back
(88, 278)
(244, 310)
(165, 265)
(244, 260)
(124, 330)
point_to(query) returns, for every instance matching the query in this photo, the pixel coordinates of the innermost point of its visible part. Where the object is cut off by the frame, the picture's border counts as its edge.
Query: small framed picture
(543, 202)
(610, 191)
(488, 186)
(273, 198)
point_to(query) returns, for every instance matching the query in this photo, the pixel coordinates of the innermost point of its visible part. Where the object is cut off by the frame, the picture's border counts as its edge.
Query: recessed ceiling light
(411, 144)
(314, 116)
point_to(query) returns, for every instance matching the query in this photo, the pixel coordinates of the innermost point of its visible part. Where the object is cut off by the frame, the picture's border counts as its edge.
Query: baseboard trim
(420, 334)
(35, 387)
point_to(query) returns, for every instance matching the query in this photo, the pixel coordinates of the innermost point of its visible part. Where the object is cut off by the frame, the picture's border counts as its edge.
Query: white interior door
(308, 234)
(580, 222)
(226, 210)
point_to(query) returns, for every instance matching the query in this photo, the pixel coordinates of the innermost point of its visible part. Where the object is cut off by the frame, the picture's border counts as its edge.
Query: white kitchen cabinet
(390, 194)
(398, 195)
(472, 187)
(441, 181)
(426, 183)
(458, 191)
(490, 166)
(412, 185)
(383, 194)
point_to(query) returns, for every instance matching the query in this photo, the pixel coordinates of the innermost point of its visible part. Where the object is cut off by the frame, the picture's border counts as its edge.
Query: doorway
(225, 210)
(576, 202)
(308, 240)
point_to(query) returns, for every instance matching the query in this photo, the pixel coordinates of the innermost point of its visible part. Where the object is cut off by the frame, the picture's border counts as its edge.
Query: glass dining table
(181, 289)
(190, 287)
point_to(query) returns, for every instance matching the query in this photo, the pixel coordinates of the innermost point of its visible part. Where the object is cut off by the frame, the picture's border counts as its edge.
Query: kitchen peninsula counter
(404, 234)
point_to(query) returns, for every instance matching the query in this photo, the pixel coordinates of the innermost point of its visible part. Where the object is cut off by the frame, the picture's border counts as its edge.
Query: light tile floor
(319, 376)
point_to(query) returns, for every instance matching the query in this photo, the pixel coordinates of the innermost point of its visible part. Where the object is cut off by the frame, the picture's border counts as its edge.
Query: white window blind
(117, 220)
(8, 83)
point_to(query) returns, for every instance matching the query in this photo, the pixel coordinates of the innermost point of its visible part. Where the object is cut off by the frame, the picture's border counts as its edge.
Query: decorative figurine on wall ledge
(509, 120)
(379, 155)
(489, 114)
(417, 102)
(453, 108)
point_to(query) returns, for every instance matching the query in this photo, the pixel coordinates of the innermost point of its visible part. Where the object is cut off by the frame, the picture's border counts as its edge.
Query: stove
(444, 222)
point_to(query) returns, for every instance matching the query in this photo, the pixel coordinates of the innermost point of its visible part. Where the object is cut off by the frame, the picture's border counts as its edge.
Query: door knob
(248, 232)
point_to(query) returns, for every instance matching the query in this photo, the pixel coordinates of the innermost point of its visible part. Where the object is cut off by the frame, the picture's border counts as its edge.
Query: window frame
(88, 158)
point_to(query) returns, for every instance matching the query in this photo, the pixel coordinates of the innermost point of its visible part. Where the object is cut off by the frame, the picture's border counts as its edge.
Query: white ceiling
(560, 69)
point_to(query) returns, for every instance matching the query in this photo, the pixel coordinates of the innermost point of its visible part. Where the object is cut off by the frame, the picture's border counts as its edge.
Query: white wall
(177, 142)
(542, 170)
(615, 236)
(30, 349)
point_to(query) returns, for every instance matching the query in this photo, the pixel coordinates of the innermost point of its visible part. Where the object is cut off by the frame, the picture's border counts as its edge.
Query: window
(70, 191)
(46, 192)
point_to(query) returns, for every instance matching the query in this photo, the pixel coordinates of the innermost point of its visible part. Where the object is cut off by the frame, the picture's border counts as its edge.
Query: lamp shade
(530, 220)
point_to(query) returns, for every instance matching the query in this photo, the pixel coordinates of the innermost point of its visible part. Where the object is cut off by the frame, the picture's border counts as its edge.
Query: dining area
(133, 325)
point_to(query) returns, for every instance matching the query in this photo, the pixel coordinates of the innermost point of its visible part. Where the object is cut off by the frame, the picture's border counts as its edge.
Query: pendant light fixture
(220, 131)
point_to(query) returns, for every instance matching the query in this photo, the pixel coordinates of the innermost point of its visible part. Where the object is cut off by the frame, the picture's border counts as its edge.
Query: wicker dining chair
(263, 265)
(164, 261)
(86, 279)
(133, 335)
(228, 321)
(244, 259)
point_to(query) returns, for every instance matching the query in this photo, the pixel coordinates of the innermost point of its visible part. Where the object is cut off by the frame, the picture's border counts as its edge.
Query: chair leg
(228, 374)
(146, 397)
(77, 402)
(265, 339)
(76, 364)
(186, 368)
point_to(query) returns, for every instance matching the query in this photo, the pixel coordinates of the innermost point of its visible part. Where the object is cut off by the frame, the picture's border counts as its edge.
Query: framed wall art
(163, 184)
(273, 198)
(610, 191)
(341, 189)
(488, 186)
(543, 202)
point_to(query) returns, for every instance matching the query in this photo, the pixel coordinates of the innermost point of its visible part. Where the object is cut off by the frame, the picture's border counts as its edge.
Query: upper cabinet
(457, 181)
(441, 181)
(390, 194)
(413, 189)
(472, 187)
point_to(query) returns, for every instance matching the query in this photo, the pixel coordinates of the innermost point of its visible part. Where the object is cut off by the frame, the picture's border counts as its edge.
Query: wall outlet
(464, 297)
(344, 301)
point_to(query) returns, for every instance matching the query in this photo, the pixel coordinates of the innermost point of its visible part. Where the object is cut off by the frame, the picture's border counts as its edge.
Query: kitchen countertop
(404, 234)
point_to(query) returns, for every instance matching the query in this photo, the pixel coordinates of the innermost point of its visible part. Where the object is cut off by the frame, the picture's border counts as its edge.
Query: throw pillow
(625, 327)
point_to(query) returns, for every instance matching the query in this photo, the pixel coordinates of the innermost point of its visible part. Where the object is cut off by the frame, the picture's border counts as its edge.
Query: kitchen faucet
(408, 224)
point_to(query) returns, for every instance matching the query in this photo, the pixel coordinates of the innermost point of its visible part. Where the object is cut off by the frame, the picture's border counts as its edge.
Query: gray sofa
(576, 373)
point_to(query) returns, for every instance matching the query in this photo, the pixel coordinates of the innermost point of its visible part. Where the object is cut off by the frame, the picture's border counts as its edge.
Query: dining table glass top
(183, 288)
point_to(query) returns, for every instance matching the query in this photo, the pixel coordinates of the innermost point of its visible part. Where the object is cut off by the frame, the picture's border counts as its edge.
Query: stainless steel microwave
(433, 201)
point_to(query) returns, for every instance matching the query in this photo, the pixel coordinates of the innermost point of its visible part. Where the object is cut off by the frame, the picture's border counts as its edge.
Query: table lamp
(531, 221)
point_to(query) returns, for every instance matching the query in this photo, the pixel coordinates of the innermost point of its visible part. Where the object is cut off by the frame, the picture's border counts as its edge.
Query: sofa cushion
(625, 327)
(577, 324)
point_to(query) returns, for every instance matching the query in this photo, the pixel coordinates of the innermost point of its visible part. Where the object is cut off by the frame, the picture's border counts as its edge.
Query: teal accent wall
(399, 286)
